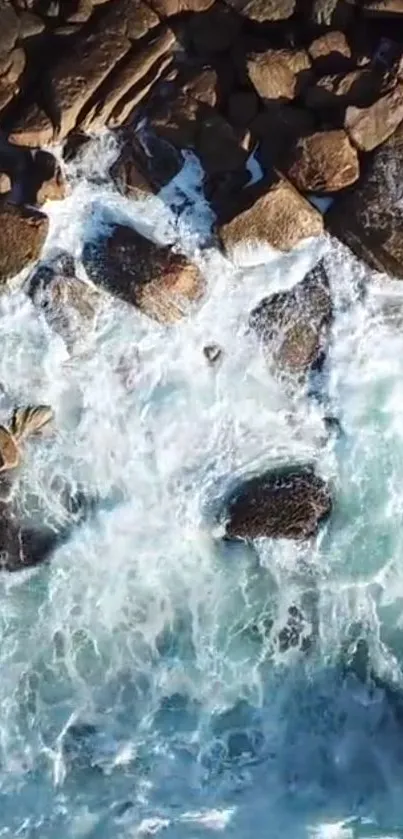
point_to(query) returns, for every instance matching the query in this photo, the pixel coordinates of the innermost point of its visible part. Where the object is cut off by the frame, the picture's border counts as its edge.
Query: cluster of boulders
(313, 90)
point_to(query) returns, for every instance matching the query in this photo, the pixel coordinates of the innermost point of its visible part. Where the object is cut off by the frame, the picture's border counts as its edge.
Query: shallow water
(143, 688)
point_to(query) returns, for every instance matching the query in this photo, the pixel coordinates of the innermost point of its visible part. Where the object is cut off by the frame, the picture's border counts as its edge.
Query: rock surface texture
(287, 503)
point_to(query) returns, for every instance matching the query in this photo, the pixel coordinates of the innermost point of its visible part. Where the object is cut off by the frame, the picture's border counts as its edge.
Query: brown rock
(10, 28)
(286, 503)
(22, 234)
(294, 325)
(338, 13)
(264, 10)
(81, 13)
(124, 109)
(330, 53)
(78, 75)
(30, 25)
(324, 162)
(275, 73)
(127, 175)
(370, 219)
(133, 75)
(50, 183)
(278, 129)
(270, 212)
(383, 8)
(5, 183)
(167, 8)
(159, 282)
(370, 127)
(203, 86)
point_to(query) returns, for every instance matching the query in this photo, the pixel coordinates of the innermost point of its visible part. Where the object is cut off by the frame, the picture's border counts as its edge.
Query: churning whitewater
(143, 687)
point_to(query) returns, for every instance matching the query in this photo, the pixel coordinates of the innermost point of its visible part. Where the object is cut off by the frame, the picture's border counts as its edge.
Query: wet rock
(145, 164)
(271, 212)
(278, 130)
(159, 282)
(288, 503)
(278, 74)
(127, 176)
(295, 633)
(330, 53)
(294, 325)
(370, 219)
(213, 354)
(69, 304)
(22, 235)
(264, 10)
(79, 73)
(45, 179)
(203, 86)
(242, 107)
(324, 162)
(187, 123)
(370, 127)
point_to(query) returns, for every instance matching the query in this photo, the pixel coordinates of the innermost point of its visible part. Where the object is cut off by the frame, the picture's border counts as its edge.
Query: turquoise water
(143, 686)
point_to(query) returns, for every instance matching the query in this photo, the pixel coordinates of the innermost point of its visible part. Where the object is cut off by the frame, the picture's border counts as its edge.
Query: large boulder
(294, 325)
(286, 503)
(370, 127)
(270, 212)
(155, 279)
(278, 74)
(263, 11)
(324, 162)
(68, 303)
(79, 73)
(370, 219)
(23, 231)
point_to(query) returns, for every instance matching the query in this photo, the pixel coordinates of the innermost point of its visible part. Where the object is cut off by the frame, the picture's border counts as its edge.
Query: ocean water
(143, 686)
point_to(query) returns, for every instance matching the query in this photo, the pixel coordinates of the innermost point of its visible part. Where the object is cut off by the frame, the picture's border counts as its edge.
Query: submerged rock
(151, 277)
(294, 325)
(286, 503)
(213, 353)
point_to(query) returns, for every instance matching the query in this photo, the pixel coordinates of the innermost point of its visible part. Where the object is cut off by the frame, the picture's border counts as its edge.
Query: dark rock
(271, 212)
(68, 303)
(242, 107)
(370, 219)
(127, 176)
(22, 234)
(359, 87)
(295, 633)
(214, 31)
(278, 129)
(213, 353)
(324, 162)
(203, 85)
(294, 325)
(161, 283)
(288, 503)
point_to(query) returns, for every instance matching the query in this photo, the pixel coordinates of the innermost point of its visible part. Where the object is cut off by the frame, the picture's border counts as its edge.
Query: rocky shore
(312, 91)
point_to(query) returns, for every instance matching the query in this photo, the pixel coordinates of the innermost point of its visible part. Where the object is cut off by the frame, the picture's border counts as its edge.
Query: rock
(264, 10)
(69, 304)
(187, 123)
(337, 13)
(203, 86)
(30, 25)
(278, 74)
(382, 8)
(370, 127)
(22, 234)
(145, 164)
(324, 162)
(127, 176)
(242, 107)
(285, 503)
(213, 31)
(82, 12)
(370, 219)
(9, 451)
(130, 83)
(359, 87)
(46, 179)
(159, 282)
(213, 353)
(278, 129)
(270, 212)
(330, 53)
(78, 75)
(10, 29)
(294, 325)
(296, 632)
(5, 183)
(9, 81)
(167, 8)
